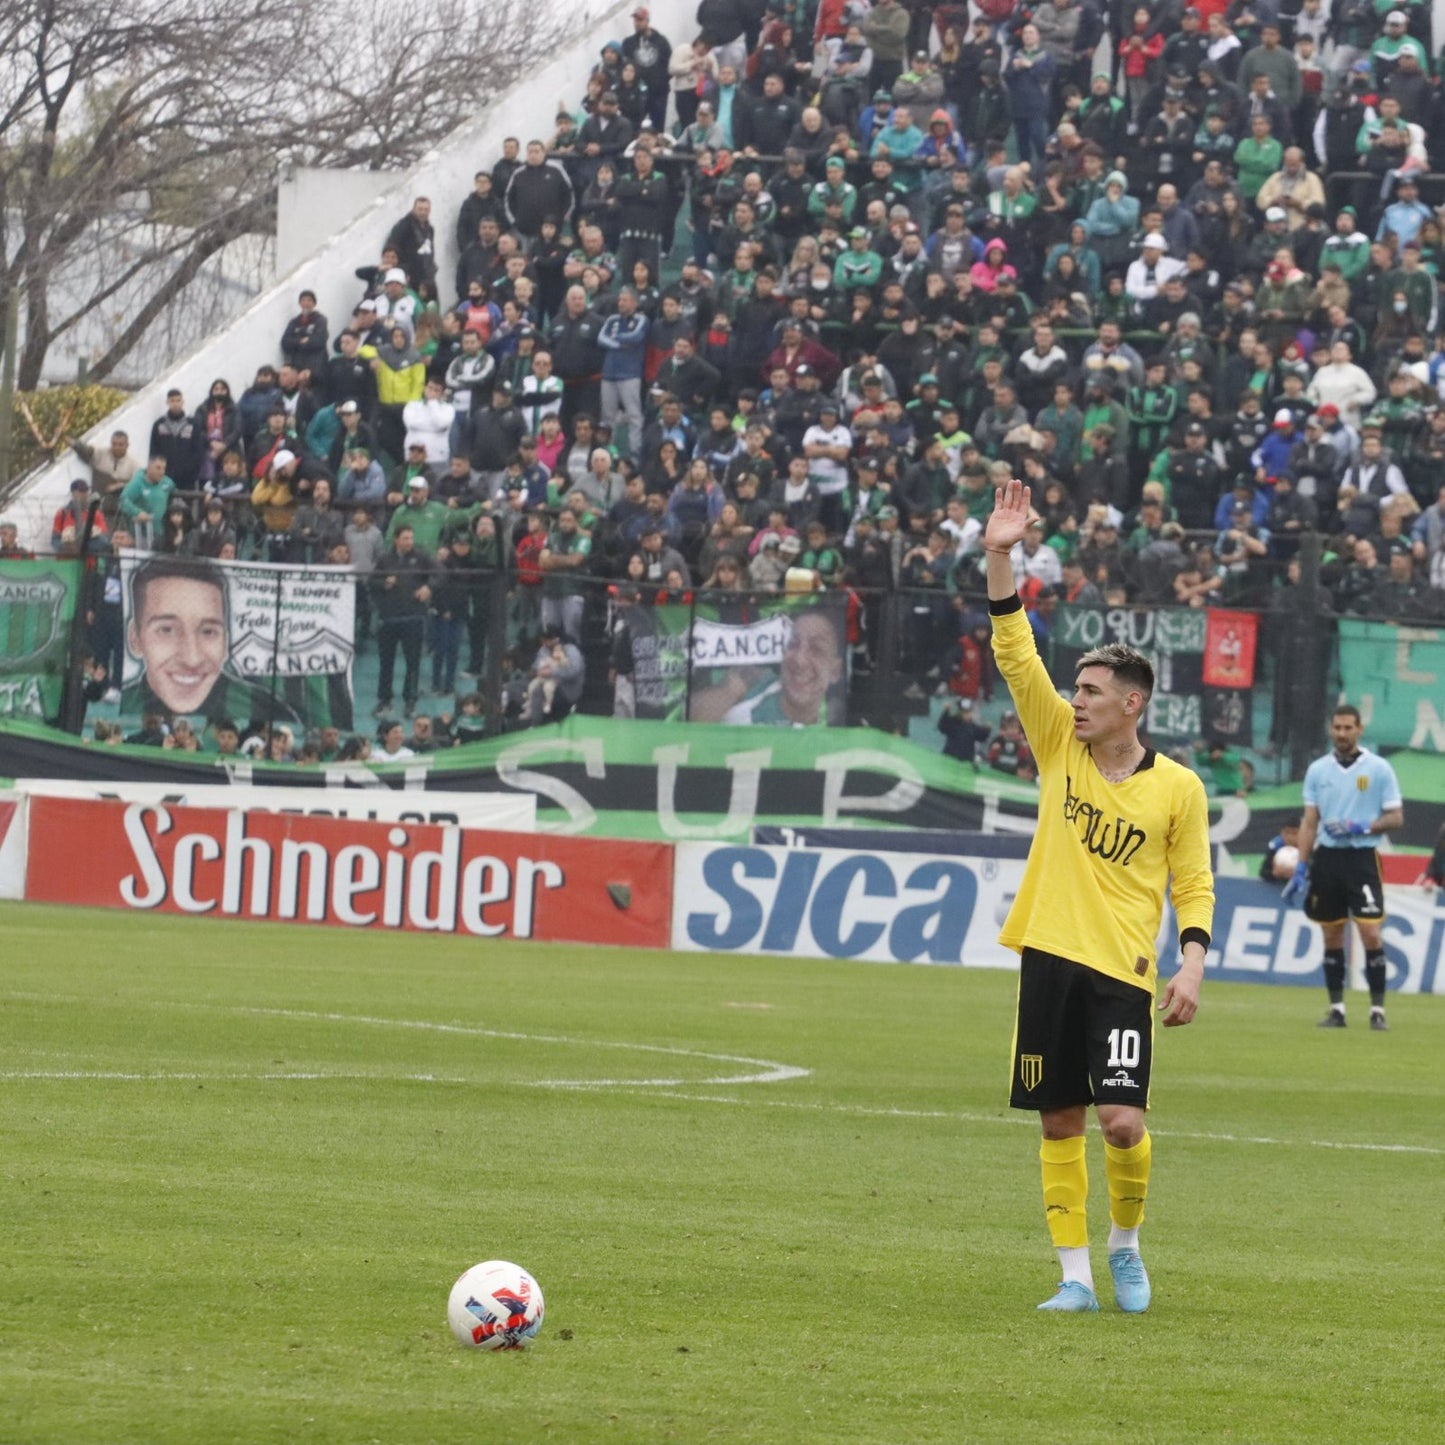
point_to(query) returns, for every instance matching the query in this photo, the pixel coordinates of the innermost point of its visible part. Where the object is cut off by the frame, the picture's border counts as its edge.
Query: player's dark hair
(161, 569)
(1129, 666)
(1347, 709)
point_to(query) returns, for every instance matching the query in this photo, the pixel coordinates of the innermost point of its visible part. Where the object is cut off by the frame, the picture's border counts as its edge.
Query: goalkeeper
(1355, 793)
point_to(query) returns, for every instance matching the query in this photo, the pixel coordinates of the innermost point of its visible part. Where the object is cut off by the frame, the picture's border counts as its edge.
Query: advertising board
(338, 871)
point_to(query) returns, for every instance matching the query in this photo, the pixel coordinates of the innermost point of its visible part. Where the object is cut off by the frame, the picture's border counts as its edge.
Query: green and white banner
(743, 660)
(1171, 637)
(1395, 675)
(37, 603)
(241, 640)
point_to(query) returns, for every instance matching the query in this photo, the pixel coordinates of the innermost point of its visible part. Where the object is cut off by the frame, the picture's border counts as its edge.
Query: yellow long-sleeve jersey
(1093, 890)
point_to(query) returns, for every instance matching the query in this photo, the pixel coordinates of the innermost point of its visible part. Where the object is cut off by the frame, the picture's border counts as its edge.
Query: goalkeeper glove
(1339, 829)
(1298, 885)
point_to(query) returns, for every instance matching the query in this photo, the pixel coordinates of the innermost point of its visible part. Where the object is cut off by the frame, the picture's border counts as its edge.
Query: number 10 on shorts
(1124, 1048)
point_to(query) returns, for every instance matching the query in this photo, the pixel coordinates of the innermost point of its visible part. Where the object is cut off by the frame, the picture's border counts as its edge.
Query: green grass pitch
(240, 1166)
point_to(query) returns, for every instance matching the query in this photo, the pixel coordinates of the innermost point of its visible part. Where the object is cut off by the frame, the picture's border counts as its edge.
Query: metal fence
(313, 648)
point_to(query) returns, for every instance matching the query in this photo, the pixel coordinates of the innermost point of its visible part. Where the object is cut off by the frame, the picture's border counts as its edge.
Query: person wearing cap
(1282, 300)
(1194, 478)
(1188, 48)
(1405, 215)
(799, 355)
(701, 133)
(397, 304)
(416, 507)
(1348, 248)
(1385, 53)
(834, 188)
(651, 52)
(275, 498)
(859, 267)
(1166, 142)
(920, 86)
(827, 445)
(604, 137)
(1145, 277)
(305, 336)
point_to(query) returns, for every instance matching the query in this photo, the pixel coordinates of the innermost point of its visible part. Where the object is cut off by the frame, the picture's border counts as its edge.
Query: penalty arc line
(773, 1073)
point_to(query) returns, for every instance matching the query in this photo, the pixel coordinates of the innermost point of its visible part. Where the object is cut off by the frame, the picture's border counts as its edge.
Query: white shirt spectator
(429, 423)
(1343, 385)
(828, 474)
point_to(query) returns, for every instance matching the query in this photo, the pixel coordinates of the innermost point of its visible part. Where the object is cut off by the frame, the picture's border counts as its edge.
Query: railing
(313, 648)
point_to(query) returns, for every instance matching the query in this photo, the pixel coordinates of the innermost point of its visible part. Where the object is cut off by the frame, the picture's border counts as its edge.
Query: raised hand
(1010, 517)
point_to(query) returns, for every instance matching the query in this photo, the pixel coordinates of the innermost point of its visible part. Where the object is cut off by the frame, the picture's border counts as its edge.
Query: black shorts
(1081, 1037)
(1345, 883)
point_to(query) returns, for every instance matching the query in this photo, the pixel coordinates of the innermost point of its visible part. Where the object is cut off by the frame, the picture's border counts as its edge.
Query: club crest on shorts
(1031, 1070)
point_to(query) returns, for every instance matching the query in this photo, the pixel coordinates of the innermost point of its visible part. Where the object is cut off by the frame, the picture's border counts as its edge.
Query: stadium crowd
(776, 306)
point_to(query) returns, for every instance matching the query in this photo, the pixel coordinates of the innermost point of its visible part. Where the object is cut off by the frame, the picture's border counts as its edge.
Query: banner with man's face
(744, 659)
(242, 640)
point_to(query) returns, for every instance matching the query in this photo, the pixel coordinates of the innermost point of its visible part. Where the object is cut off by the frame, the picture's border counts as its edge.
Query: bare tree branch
(178, 112)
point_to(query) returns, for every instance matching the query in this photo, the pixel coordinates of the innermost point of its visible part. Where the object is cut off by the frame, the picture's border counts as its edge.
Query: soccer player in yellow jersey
(1117, 823)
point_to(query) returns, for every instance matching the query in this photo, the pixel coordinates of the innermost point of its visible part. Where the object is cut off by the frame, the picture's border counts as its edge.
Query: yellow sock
(1066, 1191)
(1128, 1175)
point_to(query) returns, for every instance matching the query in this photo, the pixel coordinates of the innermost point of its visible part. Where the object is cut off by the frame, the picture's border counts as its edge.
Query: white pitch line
(765, 1071)
(1028, 1121)
(771, 1071)
(119, 1076)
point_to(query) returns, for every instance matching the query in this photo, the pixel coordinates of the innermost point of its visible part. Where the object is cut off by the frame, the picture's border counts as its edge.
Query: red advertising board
(228, 863)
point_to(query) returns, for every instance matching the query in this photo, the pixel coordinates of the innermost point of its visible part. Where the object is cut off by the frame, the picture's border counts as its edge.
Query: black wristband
(1009, 604)
(1194, 935)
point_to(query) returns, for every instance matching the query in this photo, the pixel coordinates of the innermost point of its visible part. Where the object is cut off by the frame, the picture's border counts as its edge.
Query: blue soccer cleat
(1071, 1297)
(1131, 1281)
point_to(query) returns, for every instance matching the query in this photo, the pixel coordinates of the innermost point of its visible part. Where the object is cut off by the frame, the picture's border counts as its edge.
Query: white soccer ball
(1285, 858)
(495, 1306)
